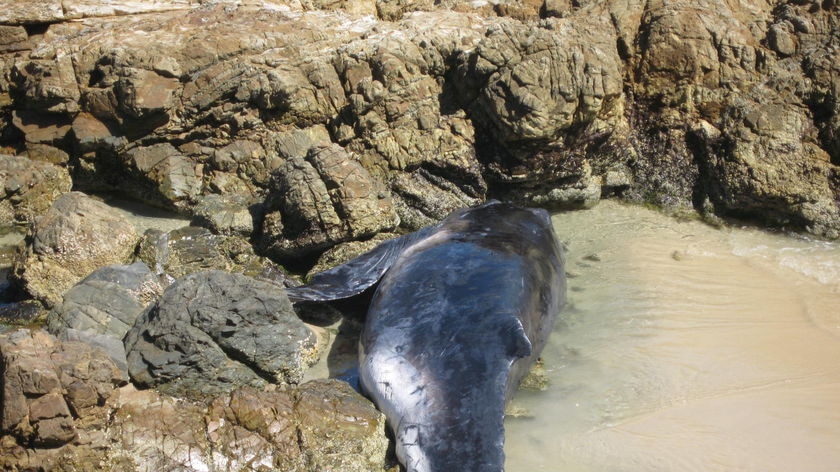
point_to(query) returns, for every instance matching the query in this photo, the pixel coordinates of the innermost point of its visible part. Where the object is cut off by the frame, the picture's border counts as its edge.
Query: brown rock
(142, 93)
(37, 371)
(51, 420)
(40, 127)
(432, 98)
(73, 238)
(48, 84)
(28, 188)
(31, 11)
(90, 133)
(326, 198)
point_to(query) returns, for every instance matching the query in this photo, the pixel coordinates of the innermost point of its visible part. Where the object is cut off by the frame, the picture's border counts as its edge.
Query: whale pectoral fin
(357, 275)
(518, 344)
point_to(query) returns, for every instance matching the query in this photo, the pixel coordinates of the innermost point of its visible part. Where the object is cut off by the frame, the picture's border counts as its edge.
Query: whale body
(461, 311)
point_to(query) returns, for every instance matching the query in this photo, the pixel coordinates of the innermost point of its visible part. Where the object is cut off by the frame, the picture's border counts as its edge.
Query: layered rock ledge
(727, 109)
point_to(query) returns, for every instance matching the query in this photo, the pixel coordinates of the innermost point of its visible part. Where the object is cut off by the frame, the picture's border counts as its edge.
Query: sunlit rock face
(730, 109)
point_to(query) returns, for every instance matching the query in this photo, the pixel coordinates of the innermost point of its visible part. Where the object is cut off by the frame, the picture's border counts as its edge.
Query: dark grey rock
(213, 331)
(108, 301)
(191, 249)
(101, 308)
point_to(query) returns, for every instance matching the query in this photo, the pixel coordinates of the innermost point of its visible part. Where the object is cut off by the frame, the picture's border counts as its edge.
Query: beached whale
(461, 311)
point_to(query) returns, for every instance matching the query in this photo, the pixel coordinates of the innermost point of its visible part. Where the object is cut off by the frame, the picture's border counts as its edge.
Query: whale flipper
(356, 276)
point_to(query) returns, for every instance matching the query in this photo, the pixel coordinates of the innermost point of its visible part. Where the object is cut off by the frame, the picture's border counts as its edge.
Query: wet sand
(686, 348)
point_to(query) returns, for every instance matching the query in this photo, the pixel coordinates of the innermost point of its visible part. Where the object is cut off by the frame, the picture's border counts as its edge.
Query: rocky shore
(284, 129)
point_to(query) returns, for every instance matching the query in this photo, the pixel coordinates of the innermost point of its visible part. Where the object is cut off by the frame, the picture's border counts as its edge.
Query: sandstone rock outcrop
(437, 104)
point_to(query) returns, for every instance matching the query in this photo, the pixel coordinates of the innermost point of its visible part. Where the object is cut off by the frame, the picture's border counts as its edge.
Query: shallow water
(686, 348)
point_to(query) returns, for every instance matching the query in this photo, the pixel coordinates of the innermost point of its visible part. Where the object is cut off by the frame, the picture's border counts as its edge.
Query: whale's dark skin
(461, 312)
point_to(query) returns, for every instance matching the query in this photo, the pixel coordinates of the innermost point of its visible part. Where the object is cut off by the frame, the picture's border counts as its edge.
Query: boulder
(47, 384)
(213, 331)
(539, 82)
(28, 188)
(760, 168)
(102, 307)
(321, 200)
(182, 251)
(75, 236)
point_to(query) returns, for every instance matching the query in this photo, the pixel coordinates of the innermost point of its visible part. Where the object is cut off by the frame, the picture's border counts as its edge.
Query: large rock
(539, 82)
(28, 188)
(768, 173)
(324, 199)
(439, 102)
(405, 118)
(47, 384)
(102, 308)
(76, 236)
(212, 331)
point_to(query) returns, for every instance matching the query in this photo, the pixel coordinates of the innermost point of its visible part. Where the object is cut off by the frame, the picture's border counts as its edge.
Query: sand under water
(686, 348)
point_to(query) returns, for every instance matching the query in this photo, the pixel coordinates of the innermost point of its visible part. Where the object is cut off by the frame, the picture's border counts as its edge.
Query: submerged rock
(212, 331)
